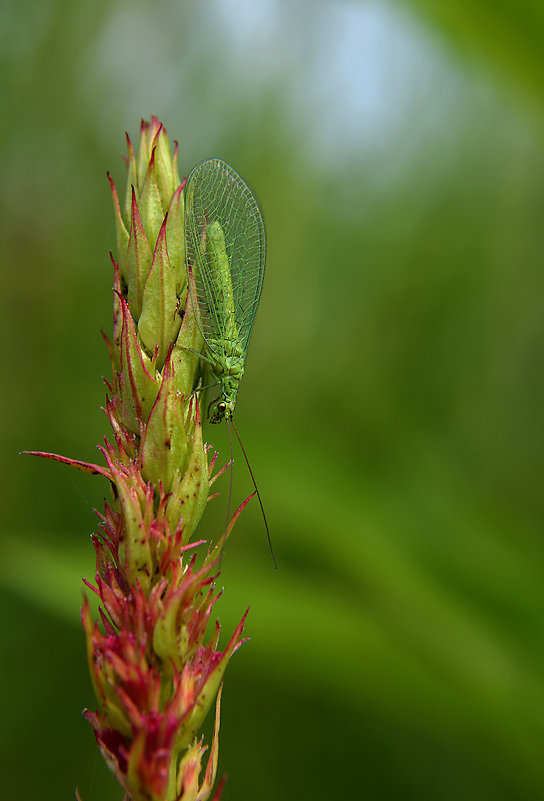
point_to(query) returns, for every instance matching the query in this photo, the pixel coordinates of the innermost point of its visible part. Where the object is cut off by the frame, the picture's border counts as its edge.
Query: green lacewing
(225, 256)
(226, 248)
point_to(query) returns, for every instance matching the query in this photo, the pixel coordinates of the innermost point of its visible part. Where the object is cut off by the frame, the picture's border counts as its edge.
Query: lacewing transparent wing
(225, 242)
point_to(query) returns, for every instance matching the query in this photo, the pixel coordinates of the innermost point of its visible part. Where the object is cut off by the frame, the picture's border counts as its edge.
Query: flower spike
(155, 668)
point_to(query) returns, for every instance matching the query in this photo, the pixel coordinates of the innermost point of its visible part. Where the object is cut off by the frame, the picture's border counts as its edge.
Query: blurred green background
(393, 401)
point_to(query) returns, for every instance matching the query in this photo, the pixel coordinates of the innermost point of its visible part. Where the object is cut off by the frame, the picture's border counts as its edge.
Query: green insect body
(225, 241)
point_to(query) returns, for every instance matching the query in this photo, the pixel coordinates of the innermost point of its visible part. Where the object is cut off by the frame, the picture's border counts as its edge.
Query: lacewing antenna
(230, 422)
(230, 478)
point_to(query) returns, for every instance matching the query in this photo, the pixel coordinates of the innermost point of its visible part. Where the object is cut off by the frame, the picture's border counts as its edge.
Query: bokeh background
(393, 402)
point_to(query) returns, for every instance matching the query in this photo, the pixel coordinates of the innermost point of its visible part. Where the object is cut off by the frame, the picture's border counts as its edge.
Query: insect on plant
(225, 256)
